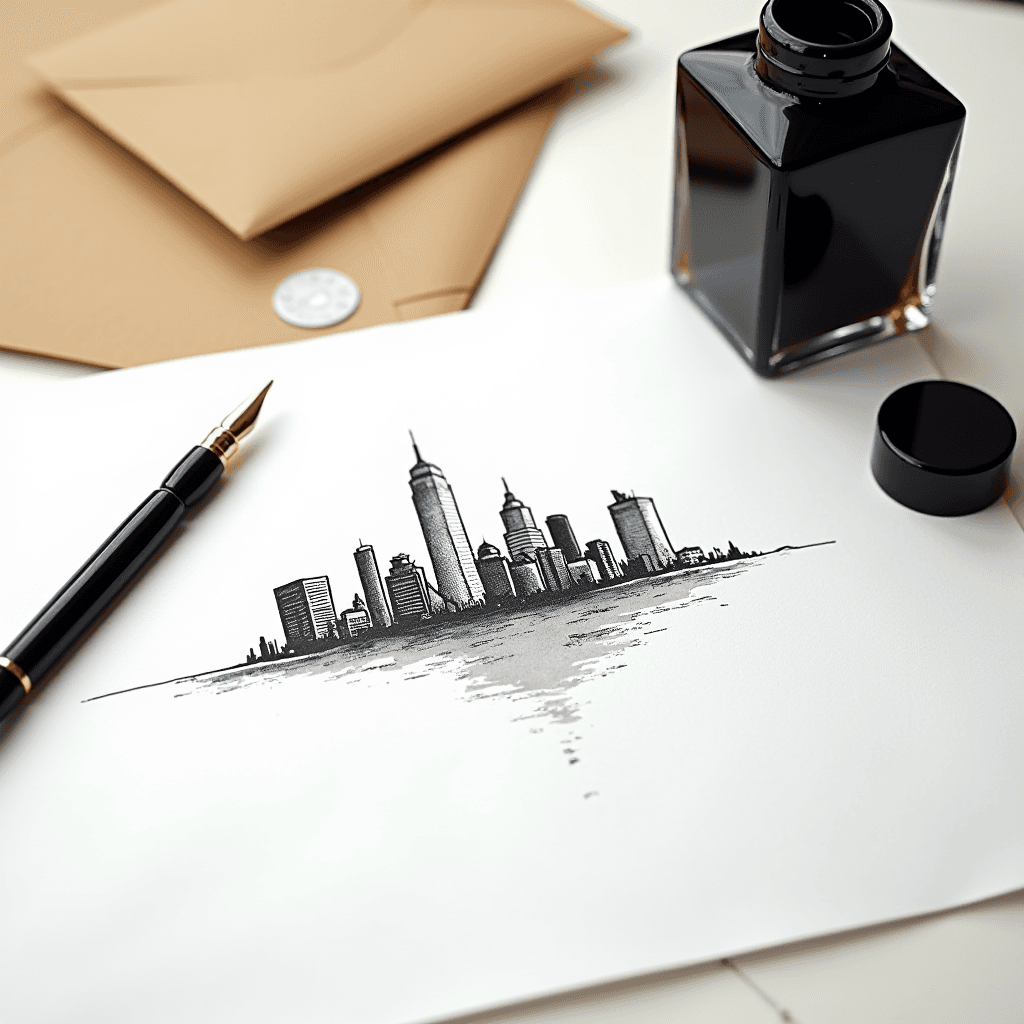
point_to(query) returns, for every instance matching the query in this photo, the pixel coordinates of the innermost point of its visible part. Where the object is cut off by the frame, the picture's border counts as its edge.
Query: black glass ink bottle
(814, 166)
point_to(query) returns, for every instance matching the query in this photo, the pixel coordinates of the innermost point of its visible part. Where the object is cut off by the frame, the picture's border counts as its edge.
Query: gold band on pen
(17, 672)
(222, 443)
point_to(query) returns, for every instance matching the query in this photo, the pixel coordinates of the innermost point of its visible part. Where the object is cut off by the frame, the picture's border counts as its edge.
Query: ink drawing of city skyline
(529, 609)
(462, 581)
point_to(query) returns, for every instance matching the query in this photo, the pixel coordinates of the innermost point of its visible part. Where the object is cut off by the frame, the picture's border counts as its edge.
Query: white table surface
(596, 212)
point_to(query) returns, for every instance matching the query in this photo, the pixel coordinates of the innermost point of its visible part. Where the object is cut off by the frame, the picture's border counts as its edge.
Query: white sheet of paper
(664, 772)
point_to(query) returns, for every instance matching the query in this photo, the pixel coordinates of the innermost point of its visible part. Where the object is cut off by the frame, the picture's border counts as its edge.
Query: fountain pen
(119, 559)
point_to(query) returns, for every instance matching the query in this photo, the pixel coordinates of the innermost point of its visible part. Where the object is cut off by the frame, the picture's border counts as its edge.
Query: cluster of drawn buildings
(532, 569)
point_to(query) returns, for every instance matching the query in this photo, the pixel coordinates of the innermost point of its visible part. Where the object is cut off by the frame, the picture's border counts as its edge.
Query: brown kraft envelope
(262, 109)
(103, 261)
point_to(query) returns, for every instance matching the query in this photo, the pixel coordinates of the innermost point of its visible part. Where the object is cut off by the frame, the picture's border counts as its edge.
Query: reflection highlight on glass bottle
(814, 163)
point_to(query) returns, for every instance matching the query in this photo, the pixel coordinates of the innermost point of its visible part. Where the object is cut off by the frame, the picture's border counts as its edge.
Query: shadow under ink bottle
(814, 166)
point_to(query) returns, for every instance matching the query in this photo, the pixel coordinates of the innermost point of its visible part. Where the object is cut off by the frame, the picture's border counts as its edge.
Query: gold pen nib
(223, 440)
(243, 419)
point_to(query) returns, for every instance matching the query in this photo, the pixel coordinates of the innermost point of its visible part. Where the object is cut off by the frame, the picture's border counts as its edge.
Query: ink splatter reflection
(537, 659)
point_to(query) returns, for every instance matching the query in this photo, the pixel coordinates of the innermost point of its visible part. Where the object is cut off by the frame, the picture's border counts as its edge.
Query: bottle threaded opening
(826, 24)
(823, 48)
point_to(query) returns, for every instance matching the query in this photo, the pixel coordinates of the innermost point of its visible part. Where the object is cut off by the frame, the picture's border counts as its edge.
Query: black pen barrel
(91, 591)
(88, 594)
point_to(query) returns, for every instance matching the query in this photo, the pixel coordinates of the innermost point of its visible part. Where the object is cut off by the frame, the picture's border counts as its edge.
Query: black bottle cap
(942, 448)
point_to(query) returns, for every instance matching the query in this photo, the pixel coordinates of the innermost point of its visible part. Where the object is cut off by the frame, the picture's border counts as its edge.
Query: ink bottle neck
(823, 49)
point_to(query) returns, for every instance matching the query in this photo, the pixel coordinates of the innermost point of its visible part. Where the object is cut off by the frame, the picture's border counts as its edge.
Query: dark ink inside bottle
(814, 167)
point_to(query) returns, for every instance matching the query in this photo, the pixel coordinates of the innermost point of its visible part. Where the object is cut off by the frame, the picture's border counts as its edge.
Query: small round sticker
(316, 298)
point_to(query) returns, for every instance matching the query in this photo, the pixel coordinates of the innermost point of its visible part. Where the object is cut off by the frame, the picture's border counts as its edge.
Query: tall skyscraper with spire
(522, 535)
(445, 534)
